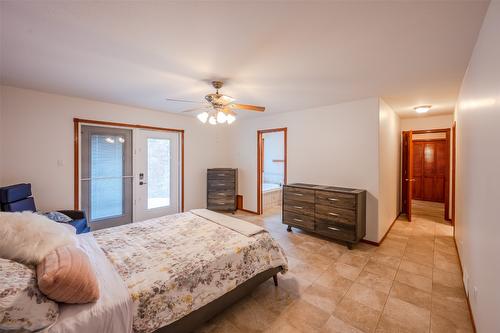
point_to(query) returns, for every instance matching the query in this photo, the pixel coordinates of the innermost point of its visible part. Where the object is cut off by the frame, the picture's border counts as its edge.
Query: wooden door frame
(260, 152)
(447, 175)
(76, 149)
(453, 170)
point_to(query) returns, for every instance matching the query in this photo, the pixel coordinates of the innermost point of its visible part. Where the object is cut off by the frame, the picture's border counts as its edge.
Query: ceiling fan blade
(183, 101)
(248, 107)
(200, 108)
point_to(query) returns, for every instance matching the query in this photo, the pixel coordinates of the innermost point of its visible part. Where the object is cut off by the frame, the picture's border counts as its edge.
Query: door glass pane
(158, 173)
(106, 173)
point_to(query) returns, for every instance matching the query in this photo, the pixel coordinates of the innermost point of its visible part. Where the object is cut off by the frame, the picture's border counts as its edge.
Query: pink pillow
(66, 275)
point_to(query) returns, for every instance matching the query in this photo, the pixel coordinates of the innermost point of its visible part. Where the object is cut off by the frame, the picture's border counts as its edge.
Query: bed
(171, 274)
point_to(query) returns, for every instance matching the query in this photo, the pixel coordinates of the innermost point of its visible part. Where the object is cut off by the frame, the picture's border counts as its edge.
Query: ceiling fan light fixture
(422, 108)
(203, 117)
(212, 120)
(221, 117)
(230, 118)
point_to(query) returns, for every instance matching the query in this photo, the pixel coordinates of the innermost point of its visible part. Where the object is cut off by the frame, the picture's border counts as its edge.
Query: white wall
(273, 150)
(335, 145)
(36, 132)
(389, 168)
(427, 122)
(478, 184)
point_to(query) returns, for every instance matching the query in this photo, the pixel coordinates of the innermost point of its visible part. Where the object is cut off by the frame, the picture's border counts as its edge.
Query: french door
(156, 171)
(106, 175)
(128, 175)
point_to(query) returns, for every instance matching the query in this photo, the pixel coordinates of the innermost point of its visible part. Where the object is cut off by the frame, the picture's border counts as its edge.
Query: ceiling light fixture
(422, 108)
(217, 116)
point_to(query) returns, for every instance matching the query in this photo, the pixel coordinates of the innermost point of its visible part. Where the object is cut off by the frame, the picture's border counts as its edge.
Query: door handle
(410, 180)
(142, 183)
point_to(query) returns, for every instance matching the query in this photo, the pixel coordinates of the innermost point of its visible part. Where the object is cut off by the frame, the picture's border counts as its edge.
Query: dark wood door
(429, 170)
(407, 174)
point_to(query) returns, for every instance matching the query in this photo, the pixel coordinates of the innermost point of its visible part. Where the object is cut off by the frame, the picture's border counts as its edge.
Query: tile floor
(411, 283)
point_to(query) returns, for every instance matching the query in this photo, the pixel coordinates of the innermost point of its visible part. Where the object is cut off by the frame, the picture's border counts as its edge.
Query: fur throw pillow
(28, 237)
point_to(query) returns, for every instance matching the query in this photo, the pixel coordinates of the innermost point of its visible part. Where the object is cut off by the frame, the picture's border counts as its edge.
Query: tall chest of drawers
(222, 188)
(335, 212)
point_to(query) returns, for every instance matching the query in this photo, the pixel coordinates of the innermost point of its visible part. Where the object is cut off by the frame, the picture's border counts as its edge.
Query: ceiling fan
(218, 108)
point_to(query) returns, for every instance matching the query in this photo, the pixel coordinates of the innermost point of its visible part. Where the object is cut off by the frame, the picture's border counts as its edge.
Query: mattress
(175, 264)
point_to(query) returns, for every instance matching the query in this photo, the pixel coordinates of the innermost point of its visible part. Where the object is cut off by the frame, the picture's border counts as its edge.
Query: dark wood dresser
(334, 212)
(222, 188)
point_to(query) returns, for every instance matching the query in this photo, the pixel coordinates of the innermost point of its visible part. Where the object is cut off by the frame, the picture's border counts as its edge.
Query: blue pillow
(58, 217)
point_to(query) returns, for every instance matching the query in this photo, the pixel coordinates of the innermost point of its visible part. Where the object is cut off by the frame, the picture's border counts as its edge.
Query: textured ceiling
(283, 55)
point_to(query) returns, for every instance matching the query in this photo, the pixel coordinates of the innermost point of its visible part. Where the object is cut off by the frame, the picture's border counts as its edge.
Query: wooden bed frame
(200, 316)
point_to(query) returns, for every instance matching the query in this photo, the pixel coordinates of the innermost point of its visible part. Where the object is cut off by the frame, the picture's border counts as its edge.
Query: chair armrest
(74, 214)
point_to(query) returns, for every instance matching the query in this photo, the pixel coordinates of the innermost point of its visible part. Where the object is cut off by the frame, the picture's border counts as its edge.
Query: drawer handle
(220, 193)
(298, 207)
(220, 174)
(298, 194)
(221, 184)
(333, 228)
(333, 199)
(298, 220)
(333, 214)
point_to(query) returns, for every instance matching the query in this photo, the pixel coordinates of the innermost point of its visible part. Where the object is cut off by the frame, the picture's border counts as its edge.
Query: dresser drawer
(220, 184)
(222, 174)
(297, 207)
(297, 220)
(298, 194)
(335, 199)
(221, 205)
(222, 195)
(334, 214)
(334, 230)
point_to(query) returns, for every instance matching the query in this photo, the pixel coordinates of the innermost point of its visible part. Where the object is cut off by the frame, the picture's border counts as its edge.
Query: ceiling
(283, 55)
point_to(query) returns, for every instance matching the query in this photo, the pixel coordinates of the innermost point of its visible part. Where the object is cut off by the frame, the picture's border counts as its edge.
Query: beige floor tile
(411, 295)
(357, 315)
(377, 282)
(293, 283)
(324, 298)
(302, 312)
(356, 260)
(390, 261)
(367, 296)
(440, 324)
(273, 298)
(344, 270)
(387, 324)
(415, 318)
(415, 268)
(335, 325)
(332, 280)
(380, 269)
(447, 279)
(419, 259)
(249, 316)
(413, 280)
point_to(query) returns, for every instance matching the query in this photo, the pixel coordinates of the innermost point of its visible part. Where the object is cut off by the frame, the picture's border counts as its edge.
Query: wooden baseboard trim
(385, 235)
(466, 296)
(370, 242)
(248, 211)
(239, 205)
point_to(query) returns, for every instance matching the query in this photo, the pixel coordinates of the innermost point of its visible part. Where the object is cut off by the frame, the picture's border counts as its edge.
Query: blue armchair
(17, 198)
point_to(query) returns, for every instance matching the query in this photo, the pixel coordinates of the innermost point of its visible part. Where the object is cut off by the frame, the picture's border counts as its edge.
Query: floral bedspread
(175, 264)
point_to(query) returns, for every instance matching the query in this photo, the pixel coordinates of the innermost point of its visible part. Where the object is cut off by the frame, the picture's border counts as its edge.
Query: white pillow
(28, 237)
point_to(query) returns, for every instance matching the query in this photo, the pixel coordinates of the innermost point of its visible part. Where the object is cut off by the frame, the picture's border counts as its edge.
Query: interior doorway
(426, 169)
(271, 168)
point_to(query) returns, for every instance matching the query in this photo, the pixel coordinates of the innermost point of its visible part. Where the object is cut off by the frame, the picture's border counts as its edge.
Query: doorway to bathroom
(272, 160)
